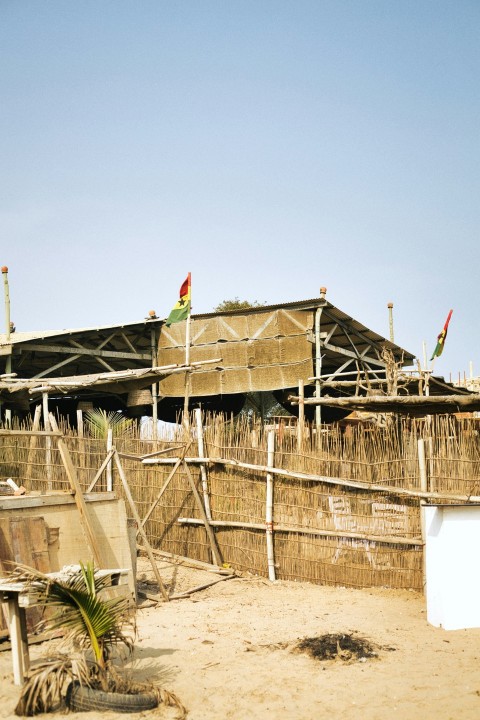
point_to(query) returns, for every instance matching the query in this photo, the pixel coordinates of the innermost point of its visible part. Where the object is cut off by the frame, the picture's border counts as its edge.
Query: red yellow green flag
(181, 310)
(441, 338)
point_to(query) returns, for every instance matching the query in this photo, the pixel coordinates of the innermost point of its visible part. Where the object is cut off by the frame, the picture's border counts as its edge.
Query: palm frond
(43, 692)
(99, 422)
(87, 618)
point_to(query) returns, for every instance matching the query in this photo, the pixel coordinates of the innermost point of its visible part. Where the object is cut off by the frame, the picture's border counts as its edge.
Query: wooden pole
(141, 531)
(203, 469)
(186, 419)
(211, 535)
(269, 507)
(321, 532)
(443, 403)
(48, 441)
(422, 465)
(301, 415)
(33, 442)
(307, 477)
(109, 464)
(81, 443)
(105, 463)
(153, 345)
(318, 372)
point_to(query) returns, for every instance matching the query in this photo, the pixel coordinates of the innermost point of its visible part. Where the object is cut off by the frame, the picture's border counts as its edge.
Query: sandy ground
(227, 652)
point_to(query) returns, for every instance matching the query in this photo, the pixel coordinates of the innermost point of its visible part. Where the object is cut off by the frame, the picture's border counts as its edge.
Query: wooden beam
(34, 501)
(66, 350)
(37, 433)
(381, 401)
(387, 539)
(55, 367)
(189, 562)
(351, 354)
(307, 477)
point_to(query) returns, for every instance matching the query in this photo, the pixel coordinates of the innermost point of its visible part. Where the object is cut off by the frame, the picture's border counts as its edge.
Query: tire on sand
(80, 698)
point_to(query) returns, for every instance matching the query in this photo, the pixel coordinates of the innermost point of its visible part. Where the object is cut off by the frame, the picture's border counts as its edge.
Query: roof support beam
(351, 354)
(63, 349)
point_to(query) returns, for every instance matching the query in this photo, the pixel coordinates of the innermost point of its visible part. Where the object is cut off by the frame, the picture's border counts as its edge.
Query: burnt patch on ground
(338, 646)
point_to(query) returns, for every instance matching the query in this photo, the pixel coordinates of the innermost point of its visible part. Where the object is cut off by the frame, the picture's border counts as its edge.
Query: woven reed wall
(312, 518)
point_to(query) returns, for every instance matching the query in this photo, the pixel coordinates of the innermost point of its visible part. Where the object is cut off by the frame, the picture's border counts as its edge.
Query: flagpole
(187, 359)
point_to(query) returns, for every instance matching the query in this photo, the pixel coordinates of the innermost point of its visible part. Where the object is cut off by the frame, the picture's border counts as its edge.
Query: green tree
(237, 304)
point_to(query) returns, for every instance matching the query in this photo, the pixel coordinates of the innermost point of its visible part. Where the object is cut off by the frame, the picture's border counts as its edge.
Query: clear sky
(268, 146)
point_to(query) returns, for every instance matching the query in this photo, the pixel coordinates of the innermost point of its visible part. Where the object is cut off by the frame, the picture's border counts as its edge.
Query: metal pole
(8, 359)
(390, 320)
(7, 302)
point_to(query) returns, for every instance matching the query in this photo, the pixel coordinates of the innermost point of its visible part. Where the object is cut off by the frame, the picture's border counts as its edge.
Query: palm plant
(99, 422)
(93, 627)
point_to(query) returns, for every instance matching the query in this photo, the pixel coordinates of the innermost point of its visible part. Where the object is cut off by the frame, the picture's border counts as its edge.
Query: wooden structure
(341, 365)
(270, 348)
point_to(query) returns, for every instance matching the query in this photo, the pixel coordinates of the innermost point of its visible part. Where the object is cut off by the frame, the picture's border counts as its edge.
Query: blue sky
(269, 147)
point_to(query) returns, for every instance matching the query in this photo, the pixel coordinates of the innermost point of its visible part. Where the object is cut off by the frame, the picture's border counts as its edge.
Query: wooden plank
(39, 544)
(54, 498)
(38, 433)
(24, 541)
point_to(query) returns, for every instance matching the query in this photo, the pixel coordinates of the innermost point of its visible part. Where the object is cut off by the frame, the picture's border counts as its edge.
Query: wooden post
(211, 535)
(141, 531)
(186, 419)
(48, 440)
(422, 465)
(33, 442)
(318, 372)
(109, 464)
(301, 415)
(81, 443)
(153, 347)
(17, 627)
(203, 469)
(269, 506)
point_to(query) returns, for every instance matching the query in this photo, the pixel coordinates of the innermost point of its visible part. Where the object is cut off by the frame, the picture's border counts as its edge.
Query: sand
(228, 653)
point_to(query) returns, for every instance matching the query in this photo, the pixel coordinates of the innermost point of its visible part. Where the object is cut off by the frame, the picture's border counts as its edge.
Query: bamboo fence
(342, 508)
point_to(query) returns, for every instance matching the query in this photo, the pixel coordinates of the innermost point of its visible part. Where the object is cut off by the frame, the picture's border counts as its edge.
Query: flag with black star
(181, 310)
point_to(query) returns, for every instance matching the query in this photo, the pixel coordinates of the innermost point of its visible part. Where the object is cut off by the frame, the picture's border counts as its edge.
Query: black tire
(80, 698)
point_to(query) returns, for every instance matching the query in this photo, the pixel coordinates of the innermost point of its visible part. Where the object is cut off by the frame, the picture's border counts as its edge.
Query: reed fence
(343, 508)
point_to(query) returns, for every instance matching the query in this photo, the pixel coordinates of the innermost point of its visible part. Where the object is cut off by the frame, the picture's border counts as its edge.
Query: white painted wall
(453, 565)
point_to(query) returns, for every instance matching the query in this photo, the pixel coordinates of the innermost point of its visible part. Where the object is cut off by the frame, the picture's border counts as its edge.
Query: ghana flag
(181, 311)
(441, 338)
